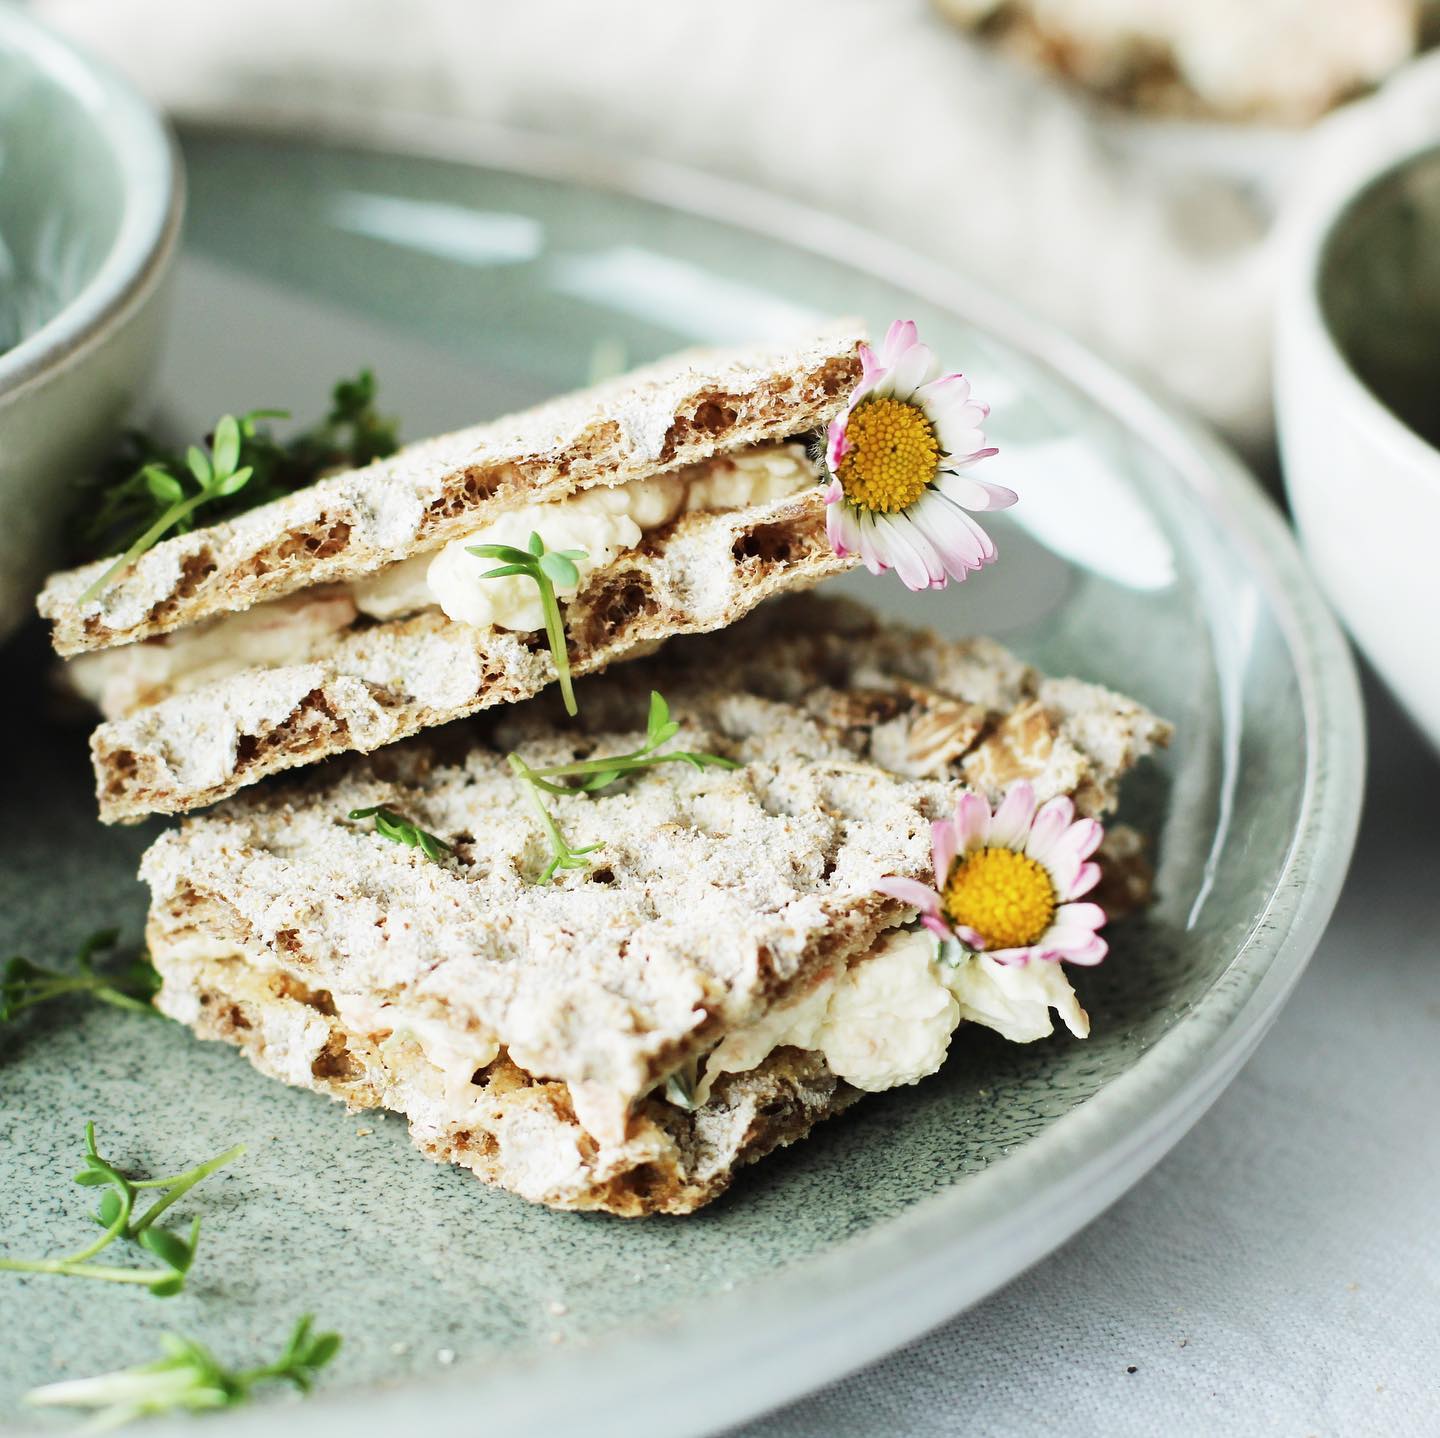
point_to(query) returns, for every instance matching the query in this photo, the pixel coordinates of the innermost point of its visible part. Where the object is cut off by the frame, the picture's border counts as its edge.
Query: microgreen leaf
(116, 1215)
(188, 1379)
(233, 483)
(659, 715)
(559, 570)
(168, 1247)
(547, 568)
(595, 774)
(24, 984)
(226, 445)
(390, 825)
(162, 484)
(680, 1086)
(141, 495)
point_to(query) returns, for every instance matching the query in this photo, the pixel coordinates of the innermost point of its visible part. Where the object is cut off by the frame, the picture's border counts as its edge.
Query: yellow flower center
(1007, 898)
(892, 455)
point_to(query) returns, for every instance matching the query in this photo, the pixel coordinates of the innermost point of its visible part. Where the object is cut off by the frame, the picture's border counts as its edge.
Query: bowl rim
(152, 183)
(1311, 227)
(815, 1320)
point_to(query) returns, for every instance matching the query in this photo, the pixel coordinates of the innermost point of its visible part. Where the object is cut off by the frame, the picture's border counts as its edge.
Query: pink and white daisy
(898, 494)
(1007, 883)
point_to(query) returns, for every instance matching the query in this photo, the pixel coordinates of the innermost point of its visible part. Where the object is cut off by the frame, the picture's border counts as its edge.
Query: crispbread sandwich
(732, 950)
(351, 613)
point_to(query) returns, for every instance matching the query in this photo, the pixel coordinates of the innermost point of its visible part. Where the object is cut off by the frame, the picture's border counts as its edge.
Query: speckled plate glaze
(1142, 557)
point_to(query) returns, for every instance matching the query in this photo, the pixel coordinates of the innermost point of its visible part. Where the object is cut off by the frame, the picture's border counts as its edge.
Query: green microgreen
(390, 825)
(596, 774)
(547, 567)
(24, 984)
(562, 855)
(680, 1086)
(148, 491)
(188, 1379)
(116, 1215)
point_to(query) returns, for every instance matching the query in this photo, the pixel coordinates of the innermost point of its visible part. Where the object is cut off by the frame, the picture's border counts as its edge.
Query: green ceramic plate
(1142, 557)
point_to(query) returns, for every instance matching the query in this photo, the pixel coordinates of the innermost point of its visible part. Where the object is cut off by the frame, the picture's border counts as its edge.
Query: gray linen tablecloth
(1279, 1272)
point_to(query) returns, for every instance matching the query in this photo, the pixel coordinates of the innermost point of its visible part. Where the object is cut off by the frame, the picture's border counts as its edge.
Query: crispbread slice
(384, 682)
(675, 412)
(716, 896)
(523, 1134)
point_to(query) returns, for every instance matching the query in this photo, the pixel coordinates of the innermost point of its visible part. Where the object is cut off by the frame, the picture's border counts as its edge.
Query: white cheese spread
(888, 1018)
(603, 522)
(284, 631)
(456, 1055)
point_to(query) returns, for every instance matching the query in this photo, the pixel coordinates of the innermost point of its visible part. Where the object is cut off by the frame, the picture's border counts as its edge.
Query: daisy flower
(1007, 882)
(898, 494)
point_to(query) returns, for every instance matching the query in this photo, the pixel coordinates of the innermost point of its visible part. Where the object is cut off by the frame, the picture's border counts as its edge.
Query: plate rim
(825, 1316)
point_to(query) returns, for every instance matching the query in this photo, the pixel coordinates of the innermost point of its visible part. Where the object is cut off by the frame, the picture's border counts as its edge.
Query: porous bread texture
(511, 1130)
(669, 414)
(383, 682)
(717, 894)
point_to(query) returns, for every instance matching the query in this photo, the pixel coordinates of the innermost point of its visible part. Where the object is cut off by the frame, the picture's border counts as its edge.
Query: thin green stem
(171, 517)
(555, 634)
(179, 1185)
(70, 1268)
(563, 856)
(625, 763)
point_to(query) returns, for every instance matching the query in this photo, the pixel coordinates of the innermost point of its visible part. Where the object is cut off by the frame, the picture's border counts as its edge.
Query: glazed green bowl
(90, 201)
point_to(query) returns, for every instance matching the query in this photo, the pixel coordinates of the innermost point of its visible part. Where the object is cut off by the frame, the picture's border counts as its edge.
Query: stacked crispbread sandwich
(604, 958)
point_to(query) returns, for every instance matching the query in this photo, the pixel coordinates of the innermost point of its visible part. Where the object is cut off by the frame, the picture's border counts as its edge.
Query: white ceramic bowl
(1358, 380)
(91, 195)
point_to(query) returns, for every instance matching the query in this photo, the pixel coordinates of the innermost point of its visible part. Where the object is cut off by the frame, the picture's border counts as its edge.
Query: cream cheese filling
(887, 1019)
(603, 522)
(455, 1055)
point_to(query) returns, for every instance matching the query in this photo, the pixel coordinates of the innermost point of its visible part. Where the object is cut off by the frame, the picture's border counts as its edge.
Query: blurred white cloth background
(1129, 236)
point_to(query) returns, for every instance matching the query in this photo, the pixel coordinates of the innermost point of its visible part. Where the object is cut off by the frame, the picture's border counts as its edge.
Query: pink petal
(870, 362)
(942, 849)
(843, 529)
(1012, 958)
(1085, 836)
(972, 822)
(901, 336)
(974, 494)
(838, 443)
(1072, 920)
(912, 892)
(911, 370)
(1086, 877)
(964, 461)
(950, 391)
(970, 938)
(919, 541)
(950, 532)
(1048, 827)
(1011, 824)
(896, 549)
(945, 485)
(834, 492)
(937, 926)
(1088, 954)
(872, 549)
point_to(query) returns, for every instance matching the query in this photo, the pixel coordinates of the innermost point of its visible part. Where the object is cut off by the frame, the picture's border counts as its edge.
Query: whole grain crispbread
(374, 685)
(716, 895)
(518, 1133)
(678, 411)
